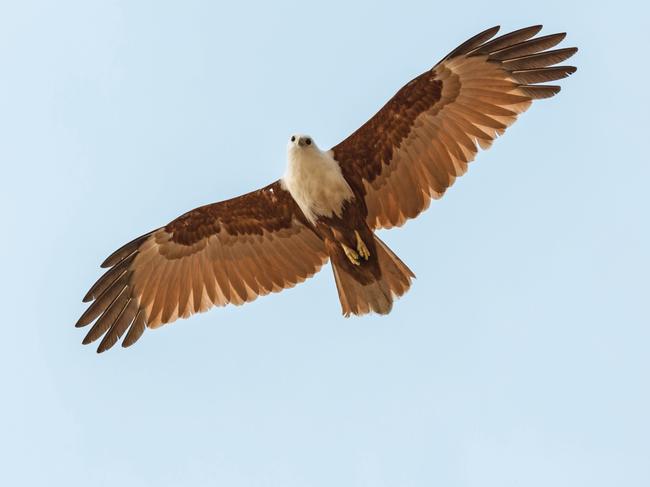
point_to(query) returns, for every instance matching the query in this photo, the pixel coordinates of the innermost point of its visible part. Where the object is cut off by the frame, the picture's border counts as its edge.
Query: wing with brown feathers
(413, 149)
(228, 252)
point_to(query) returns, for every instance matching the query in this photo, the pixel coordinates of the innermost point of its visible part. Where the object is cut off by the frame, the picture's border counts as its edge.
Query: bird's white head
(314, 178)
(301, 142)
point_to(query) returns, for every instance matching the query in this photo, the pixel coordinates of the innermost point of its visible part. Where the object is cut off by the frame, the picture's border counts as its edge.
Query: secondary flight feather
(329, 202)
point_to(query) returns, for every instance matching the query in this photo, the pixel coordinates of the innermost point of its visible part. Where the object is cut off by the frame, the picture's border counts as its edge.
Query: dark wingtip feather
(109, 277)
(110, 315)
(136, 330)
(507, 40)
(542, 75)
(474, 42)
(106, 344)
(84, 320)
(103, 301)
(539, 92)
(531, 46)
(119, 326)
(540, 59)
(124, 251)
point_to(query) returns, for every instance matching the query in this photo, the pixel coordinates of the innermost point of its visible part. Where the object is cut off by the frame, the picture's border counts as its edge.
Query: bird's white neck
(315, 182)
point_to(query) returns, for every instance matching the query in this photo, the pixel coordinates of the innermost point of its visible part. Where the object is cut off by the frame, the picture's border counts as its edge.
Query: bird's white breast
(316, 183)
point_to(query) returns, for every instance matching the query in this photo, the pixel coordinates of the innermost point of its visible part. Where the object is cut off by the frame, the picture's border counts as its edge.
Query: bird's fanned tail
(377, 295)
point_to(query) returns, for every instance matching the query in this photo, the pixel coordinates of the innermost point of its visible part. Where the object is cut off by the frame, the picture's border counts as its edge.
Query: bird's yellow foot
(351, 254)
(361, 247)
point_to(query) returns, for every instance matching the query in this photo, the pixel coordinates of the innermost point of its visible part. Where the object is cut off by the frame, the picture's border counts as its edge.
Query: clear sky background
(519, 357)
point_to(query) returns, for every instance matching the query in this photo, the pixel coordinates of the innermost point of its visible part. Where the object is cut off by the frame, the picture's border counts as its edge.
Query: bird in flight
(329, 202)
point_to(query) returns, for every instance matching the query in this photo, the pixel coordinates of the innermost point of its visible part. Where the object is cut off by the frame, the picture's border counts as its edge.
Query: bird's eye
(293, 138)
(308, 141)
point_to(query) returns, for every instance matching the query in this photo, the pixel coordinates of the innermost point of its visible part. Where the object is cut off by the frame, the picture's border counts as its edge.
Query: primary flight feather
(328, 203)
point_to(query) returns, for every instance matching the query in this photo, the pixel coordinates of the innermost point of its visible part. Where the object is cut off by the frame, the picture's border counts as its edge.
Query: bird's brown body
(329, 203)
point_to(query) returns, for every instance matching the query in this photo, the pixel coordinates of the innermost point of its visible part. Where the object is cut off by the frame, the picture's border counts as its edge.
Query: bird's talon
(361, 247)
(351, 254)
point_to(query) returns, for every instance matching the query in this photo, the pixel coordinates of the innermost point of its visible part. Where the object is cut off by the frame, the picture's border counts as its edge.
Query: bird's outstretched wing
(228, 252)
(413, 149)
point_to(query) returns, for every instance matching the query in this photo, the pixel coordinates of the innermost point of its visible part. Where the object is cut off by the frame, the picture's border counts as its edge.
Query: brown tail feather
(378, 295)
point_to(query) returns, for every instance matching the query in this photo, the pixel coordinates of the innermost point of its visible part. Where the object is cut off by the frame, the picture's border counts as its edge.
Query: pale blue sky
(519, 357)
